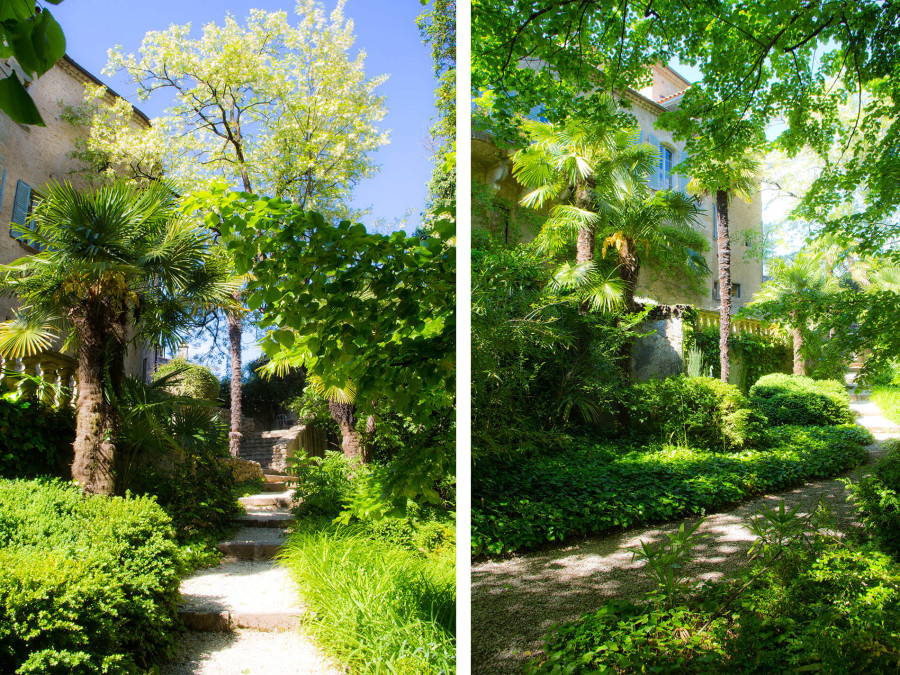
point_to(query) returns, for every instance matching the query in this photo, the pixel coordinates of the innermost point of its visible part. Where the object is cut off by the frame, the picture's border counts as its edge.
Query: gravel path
(516, 601)
(248, 652)
(246, 592)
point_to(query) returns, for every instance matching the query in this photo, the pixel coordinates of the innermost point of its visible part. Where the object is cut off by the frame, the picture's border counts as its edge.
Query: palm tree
(597, 178)
(790, 282)
(117, 268)
(736, 177)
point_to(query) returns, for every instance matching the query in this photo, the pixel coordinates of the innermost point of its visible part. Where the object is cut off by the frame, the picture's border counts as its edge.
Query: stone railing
(56, 373)
(710, 319)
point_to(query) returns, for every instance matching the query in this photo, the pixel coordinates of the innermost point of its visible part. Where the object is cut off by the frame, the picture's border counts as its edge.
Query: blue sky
(385, 29)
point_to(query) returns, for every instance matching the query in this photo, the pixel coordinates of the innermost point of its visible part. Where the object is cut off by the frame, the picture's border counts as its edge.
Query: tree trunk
(799, 362)
(629, 270)
(584, 244)
(351, 440)
(95, 427)
(724, 281)
(234, 339)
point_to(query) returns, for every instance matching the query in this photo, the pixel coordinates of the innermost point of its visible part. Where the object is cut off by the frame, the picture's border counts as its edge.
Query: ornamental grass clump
(797, 399)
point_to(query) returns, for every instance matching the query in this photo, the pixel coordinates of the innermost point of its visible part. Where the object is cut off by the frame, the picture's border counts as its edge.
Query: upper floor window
(665, 173)
(24, 201)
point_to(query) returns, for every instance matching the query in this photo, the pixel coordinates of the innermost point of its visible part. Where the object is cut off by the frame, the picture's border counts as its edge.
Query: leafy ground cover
(813, 601)
(526, 501)
(87, 584)
(383, 600)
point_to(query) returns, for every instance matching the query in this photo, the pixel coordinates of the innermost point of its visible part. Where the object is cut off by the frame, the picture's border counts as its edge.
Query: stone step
(278, 499)
(272, 476)
(240, 594)
(224, 621)
(253, 543)
(259, 518)
(275, 487)
(861, 397)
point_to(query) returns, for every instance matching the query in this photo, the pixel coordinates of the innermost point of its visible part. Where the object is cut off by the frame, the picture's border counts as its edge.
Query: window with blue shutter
(715, 224)
(665, 167)
(21, 211)
(654, 181)
(683, 178)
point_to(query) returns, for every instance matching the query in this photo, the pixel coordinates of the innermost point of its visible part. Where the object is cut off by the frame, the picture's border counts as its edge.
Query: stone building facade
(32, 156)
(492, 178)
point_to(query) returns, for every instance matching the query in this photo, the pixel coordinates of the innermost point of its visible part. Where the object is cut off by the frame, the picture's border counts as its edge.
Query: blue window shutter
(654, 175)
(22, 203)
(683, 178)
(715, 224)
(2, 187)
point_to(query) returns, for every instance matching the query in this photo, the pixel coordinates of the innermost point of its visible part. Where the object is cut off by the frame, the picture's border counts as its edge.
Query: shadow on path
(515, 602)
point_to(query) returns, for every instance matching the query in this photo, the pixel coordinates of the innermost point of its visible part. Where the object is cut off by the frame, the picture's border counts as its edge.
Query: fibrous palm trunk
(799, 363)
(584, 243)
(95, 426)
(724, 249)
(351, 440)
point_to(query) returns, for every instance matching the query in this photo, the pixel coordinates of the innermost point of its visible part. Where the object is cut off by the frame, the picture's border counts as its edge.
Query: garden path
(516, 601)
(243, 616)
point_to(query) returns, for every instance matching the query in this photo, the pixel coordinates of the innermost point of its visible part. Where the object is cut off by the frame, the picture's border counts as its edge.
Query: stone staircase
(868, 414)
(269, 448)
(247, 590)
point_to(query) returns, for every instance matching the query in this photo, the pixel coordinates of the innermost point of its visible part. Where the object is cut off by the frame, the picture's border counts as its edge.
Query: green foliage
(526, 501)
(87, 584)
(35, 440)
(887, 398)
(35, 40)
(758, 355)
(267, 395)
(376, 605)
(541, 366)
(359, 311)
(697, 412)
(812, 603)
(323, 484)
(877, 496)
(796, 399)
(192, 379)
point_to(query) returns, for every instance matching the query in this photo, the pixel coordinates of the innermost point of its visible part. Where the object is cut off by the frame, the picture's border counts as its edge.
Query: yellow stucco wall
(39, 155)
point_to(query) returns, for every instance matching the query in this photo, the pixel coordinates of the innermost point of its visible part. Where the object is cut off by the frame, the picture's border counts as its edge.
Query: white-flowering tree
(272, 107)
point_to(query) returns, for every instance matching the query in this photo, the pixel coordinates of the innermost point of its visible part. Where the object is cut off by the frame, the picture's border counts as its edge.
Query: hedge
(796, 399)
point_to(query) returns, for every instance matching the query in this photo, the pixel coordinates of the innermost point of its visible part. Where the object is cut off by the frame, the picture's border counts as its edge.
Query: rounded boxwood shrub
(796, 399)
(196, 381)
(697, 411)
(88, 584)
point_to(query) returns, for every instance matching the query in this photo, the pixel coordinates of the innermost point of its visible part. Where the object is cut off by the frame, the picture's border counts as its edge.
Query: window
(21, 210)
(735, 290)
(715, 224)
(666, 168)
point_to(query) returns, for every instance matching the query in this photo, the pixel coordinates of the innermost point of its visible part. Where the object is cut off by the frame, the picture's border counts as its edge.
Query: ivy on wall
(500, 215)
(757, 355)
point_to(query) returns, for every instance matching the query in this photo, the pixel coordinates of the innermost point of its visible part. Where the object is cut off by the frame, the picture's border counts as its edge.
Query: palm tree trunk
(584, 244)
(799, 362)
(234, 341)
(724, 281)
(351, 440)
(95, 428)
(629, 270)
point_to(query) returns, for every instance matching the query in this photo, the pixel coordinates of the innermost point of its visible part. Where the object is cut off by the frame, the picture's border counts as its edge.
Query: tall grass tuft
(373, 606)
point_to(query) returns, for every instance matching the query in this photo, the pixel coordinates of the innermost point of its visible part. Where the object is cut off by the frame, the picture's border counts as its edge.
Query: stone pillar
(47, 392)
(30, 368)
(65, 385)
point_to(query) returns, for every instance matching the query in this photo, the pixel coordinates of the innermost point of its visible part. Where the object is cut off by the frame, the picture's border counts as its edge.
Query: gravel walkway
(516, 601)
(248, 652)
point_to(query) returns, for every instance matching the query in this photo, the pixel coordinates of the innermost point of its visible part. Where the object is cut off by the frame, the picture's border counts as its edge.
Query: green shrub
(697, 411)
(323, 484)
(35, 440)
(877, 495)
(796, 399)
(525, 502)
(194, 381)
(87, 584)
(374, 606)
(887, 398)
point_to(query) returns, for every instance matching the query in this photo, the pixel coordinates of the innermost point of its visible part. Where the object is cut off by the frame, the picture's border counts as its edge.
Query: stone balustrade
(50, 377)
(710, 319)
